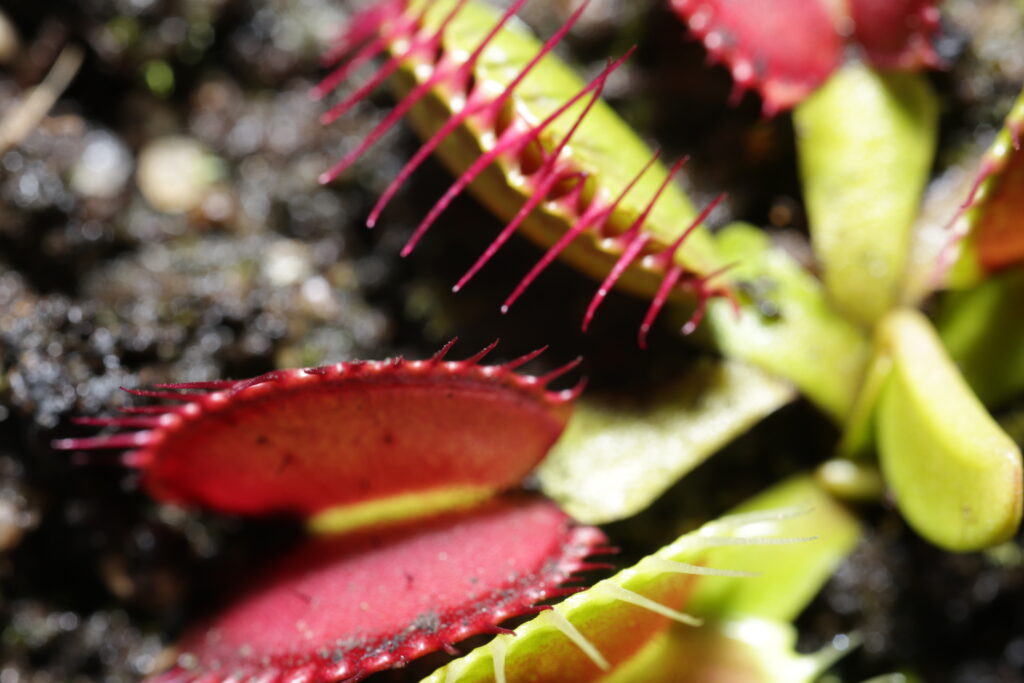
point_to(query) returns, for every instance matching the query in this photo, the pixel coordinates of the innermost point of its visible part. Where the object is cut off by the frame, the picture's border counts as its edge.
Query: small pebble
(175, 173)
(103, 167)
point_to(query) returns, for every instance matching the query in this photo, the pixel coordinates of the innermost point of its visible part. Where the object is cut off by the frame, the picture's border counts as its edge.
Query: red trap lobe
(343, 607)
(418, 435)
(785, 49)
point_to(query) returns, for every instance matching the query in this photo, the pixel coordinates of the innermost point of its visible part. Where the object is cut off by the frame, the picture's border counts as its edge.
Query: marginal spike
(593, 566)
(512, 139)
(668, 283)
(497, 630)
(538, 196)
(549, 377)
(524, 359)
(636, 241)
(692, 542)
(629, 254)
(388, 68)
(592, 216)
(572, 633)
(422, 89)
(361, 28)
(570, 395)
(439, 356)
(141, 422)
(499, 650)
(668, 254)
(149, 410)
(633, 598)
(113, 441)
(742, 519)
(164, 395)
(566, 591)
(479, 355)
(672, 566)
(468, 110)
(339, 75)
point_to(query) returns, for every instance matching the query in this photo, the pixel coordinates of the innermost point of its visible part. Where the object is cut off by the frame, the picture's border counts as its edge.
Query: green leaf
(621, 629)
(983, 330)
(785, 324)
(790, 579)
(619, 454)
(955, 474)
(866, 141)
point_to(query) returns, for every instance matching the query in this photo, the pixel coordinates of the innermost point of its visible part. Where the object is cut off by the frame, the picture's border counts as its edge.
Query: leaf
(345, 606)
(983, 330)
(795, 576)
(618, 455)
(785, 325)
(955, 474)
(990, 230)
(616, 630)
(866, 142)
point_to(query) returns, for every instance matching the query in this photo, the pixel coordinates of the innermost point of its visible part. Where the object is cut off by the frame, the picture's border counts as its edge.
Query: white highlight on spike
(662, 564)
(633, 598)
(579, 640)
(499, 647)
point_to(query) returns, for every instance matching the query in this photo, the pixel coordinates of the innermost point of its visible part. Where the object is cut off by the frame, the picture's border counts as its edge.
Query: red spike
(704, 293)
(479, 355)
(537, 609)
(497, 630)
(550, 176)
(693, 323)
(341, 74)
(143, 422)
(468, 110)
(439, 356)
(667, 283)
(524, 359)
(605, 550)
(593, 215)
(549, 377)
(574, 393)
(636, 243)
(510, 139)
(113, 441)
(149, 410)
(164, 395)
(362, 27)
(629, 254)
(594, 566)
(450, 649)
(417, 93)
(669, 253)
(416, 44)
(536, 198)
(566, 591)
